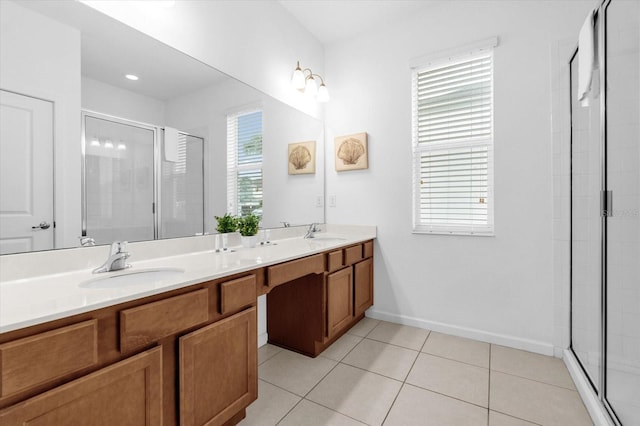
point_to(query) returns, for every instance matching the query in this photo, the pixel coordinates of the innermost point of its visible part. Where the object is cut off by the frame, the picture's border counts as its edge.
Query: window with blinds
(453, 145)
(244, 163)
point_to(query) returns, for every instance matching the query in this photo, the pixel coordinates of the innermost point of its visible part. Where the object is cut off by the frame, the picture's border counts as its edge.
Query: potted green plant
(226, 224)
(248, 227)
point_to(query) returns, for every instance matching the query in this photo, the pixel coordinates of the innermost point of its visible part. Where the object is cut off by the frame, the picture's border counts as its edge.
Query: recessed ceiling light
(131, 77)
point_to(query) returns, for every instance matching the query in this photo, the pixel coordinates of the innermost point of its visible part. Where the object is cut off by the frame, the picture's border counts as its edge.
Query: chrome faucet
(312, 229)
(87, 241)
(117, 258)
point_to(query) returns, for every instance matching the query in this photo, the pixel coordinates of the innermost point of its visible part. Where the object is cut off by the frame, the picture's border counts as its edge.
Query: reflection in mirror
(63, 63)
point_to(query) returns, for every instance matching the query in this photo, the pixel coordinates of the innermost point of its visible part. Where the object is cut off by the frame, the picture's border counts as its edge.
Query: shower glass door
(182, 190)
(118, 185)
(586, 232)
(622, 389)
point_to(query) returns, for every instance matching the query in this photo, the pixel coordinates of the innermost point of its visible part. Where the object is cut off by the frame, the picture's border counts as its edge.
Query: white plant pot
(249, 242)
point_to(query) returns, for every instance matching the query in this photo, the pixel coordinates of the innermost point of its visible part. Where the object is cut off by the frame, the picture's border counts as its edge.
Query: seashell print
(300, 156)
(350, 151)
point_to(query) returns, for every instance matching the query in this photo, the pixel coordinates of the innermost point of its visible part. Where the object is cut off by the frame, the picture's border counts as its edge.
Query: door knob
(43, 225)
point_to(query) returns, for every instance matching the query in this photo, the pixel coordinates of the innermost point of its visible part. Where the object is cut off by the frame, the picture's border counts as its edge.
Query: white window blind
(244, 163)
(453, 146)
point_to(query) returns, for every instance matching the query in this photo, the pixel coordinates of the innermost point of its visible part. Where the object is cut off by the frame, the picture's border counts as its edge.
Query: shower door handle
(43, 225)
(606, 203)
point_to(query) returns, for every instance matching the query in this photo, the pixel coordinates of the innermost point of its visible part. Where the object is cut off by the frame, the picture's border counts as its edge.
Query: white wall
(257, 41)
(497, 288)
(107, 99)
(40, 57)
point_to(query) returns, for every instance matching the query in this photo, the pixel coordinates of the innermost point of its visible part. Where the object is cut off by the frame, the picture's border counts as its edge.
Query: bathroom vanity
(185, 352)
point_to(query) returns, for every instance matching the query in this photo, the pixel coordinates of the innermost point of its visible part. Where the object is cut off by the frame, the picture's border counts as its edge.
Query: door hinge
(606, 203)
(153, 208)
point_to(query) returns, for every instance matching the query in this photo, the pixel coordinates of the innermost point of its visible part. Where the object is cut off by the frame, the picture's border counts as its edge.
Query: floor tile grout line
(390, 344)
(380, 374)
(533, 380)
(369, 371)
(456, 360)
(290, 410)
(404, 382)
(280, 387)
(322, 378)
(515, 417)
(348, 352)
(393, 344)
(259, 364)
(425, 341)
(335, 411)
(448, 396)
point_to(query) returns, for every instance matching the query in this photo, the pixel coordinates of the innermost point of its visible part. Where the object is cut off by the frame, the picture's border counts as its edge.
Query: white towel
(586, 59)
(171, 144)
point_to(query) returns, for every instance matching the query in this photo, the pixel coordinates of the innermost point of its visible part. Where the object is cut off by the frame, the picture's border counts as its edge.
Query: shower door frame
(605, 211)
(101, 116)
(156, 163)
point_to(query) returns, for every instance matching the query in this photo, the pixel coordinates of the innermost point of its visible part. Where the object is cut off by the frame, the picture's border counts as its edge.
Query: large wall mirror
(84, 150)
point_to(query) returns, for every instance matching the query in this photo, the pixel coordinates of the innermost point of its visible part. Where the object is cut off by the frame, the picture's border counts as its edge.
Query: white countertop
(37, 299)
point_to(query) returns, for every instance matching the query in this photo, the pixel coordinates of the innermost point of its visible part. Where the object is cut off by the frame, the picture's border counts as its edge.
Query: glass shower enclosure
(130, 191)
(605, 216)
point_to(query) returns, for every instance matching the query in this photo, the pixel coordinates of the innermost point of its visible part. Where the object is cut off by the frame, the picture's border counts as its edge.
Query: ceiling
(335, 20)
(111, 49)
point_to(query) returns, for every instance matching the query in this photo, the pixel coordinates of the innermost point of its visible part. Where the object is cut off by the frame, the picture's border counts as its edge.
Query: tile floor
(383, 373)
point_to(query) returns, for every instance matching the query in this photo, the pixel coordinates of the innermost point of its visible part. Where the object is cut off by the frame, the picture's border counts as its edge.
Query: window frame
(442, 61)
(233, 206)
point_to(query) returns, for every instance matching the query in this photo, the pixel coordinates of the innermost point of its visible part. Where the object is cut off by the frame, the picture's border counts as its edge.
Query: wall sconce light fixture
(304, 81)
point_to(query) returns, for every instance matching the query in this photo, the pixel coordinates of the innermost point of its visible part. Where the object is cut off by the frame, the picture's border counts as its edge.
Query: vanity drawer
(334, 261)
(285, 272)
(368, 249)
(144, 324)
(36, 360)
(352, 254)
(237, 294)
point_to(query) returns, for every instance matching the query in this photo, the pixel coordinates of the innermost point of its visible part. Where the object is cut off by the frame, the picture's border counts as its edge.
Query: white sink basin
(132, 278)
(327, 239)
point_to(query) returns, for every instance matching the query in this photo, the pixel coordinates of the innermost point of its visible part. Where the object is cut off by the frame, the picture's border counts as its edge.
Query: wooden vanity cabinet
(187, 356)
(309, 313)
(218, 374)
(339, 301)
(362, 286)
(126, 393)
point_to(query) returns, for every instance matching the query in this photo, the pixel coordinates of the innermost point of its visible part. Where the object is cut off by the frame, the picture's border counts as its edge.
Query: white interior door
(26, 173)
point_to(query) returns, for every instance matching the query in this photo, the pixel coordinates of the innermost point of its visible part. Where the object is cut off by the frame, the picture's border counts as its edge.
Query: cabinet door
(219, 370)
(363, 285)
(339, 301)
(126, 393)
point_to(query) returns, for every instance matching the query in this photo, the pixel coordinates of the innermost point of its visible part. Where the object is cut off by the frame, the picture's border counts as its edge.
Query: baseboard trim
(263, 339)
(598, 413)
(470, 333)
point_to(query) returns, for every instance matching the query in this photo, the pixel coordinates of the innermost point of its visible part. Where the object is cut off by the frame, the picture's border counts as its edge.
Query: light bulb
(132, 77)
(311, 88)
(95, 142)
(108, 144)
(297, 80)
(122, 147)
(323, 93)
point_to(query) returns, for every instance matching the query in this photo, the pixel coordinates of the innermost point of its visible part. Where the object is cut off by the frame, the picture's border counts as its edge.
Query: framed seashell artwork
(351, 152)
(302, 158)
